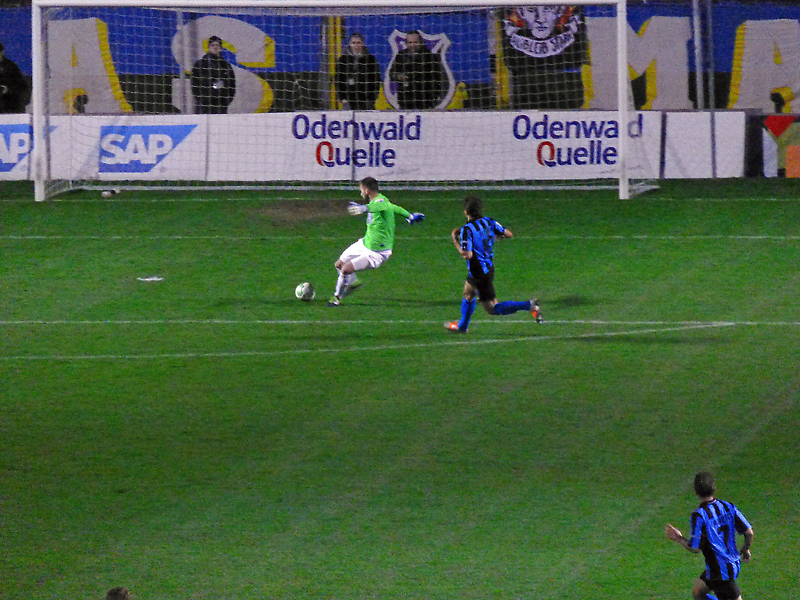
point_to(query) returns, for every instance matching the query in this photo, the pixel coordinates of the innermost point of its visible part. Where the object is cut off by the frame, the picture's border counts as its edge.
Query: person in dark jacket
(213, 81)
(419, 74)
(358, 77)
(13, 86)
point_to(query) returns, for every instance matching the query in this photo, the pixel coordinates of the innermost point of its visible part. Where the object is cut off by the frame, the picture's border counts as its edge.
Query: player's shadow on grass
(567, 302)
(409, 302)
(252, 302)
(346, 304)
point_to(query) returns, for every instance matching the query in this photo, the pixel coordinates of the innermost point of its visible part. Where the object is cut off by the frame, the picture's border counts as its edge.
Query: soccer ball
(305, 292)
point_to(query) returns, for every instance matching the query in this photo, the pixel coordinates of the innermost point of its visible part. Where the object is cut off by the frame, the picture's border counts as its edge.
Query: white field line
(446, 196)
(261, 238)
(289, 322)
(308, 351)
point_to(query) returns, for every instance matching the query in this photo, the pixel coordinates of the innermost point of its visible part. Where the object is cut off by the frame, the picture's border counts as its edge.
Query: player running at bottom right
(714, 526)
(475, 243)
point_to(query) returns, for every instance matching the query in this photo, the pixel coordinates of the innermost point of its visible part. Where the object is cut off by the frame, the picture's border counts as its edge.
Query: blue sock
(510, 307)
(467, 308)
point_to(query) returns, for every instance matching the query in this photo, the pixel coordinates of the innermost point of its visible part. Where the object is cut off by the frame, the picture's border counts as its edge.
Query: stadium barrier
(391, 146)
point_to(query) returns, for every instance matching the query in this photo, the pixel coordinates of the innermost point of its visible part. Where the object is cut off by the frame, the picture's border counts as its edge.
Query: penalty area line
(334, 322)
(310, 351)
(266, 238)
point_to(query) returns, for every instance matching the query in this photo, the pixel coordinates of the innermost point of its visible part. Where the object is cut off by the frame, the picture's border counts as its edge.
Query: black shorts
(484, 285)
(725, 590)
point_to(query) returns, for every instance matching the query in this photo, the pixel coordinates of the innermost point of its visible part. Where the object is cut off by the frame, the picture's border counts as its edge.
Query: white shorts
(362, 257)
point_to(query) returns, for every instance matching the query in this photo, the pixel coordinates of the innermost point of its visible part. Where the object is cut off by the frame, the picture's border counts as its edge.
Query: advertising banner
(15, 146)
(128, 148)
(400, 146)
(687, 147)
(339, 146)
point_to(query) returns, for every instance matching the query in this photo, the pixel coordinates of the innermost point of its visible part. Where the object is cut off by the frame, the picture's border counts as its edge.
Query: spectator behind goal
(213, 81)
(358, 76)
(13, 86)
(419, 74)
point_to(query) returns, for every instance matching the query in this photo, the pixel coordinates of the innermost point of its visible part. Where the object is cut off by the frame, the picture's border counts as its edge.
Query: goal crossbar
(41, 154)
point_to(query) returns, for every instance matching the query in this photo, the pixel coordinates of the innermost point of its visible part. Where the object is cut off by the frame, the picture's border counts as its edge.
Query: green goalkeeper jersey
(380, 223)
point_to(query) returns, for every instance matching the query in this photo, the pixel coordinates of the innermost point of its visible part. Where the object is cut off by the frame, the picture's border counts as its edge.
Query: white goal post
(117, 100)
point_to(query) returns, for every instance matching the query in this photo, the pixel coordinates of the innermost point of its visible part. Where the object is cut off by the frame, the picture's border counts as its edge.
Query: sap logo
(15, 144)
(138, 148)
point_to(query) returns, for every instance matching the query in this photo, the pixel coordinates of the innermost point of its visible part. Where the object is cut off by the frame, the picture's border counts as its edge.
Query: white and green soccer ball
(305, 292)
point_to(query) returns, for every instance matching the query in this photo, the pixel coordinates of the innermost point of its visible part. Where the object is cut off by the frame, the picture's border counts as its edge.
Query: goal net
(174, 94)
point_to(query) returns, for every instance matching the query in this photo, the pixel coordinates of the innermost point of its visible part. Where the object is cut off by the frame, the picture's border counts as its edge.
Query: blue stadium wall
(146, 66)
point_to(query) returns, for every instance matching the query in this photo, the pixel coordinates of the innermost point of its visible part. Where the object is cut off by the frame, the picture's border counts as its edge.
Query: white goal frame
(39, 153)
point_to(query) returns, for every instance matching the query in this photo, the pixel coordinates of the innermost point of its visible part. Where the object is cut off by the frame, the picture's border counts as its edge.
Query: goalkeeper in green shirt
(375, 248)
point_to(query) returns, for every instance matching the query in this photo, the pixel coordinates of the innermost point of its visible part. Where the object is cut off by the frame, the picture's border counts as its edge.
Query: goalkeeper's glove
(356, 209)
(415, 218)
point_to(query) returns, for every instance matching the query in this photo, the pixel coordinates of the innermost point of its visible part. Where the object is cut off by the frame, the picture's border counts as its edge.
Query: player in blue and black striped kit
(475, 243)
(715, 524)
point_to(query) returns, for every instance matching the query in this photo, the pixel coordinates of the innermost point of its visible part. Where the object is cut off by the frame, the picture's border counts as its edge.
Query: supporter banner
(125, 59)
(781, 146)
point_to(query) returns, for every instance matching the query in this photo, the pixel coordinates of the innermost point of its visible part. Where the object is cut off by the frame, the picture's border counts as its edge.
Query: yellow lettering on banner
(252, 47)
(79, 57)
(793, 161)
(784, 92)
(659, 52)
(269, 55)
(658, 49)
(108, 62)
(736, 68)
(651, 86)
(766, 59)
(459, 97)
(588, 89)
(587, 79)
(69, 99)
(267, 97)
(788, 95)
(382, 103)
(502, 84)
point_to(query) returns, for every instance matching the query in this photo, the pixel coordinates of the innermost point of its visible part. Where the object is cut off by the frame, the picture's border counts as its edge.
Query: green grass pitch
(208, 436)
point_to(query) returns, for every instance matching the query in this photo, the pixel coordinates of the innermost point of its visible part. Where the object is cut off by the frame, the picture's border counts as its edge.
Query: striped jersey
(478, 237)
(714, 528)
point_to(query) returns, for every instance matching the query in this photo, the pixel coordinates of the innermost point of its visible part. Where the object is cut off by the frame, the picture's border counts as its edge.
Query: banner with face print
(551, 29)
(552, 37)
